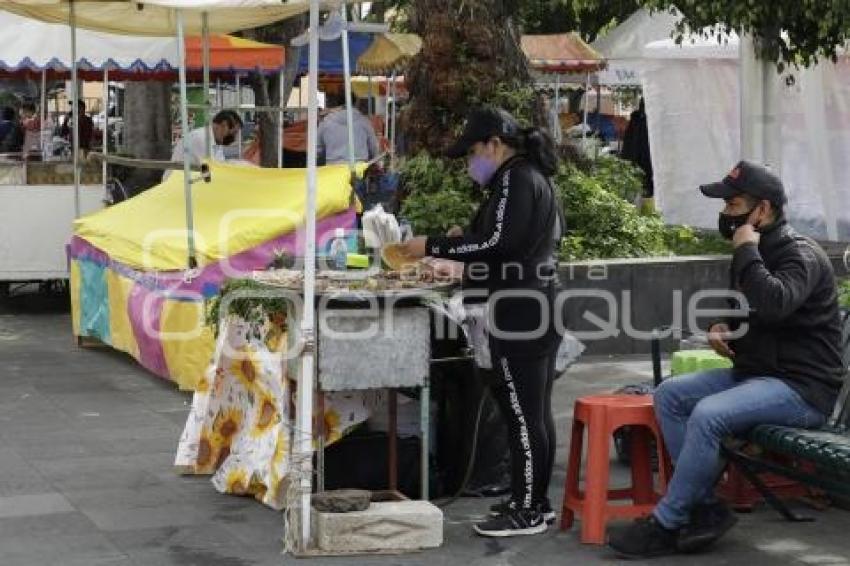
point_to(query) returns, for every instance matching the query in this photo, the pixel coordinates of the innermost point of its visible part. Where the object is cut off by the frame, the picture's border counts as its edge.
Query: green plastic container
(357, 261)
(690, 361)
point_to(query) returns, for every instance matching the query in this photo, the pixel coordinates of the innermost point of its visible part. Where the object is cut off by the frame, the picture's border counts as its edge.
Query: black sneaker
(514, 522)
(644, 538)
(708, 522)
(502, 507)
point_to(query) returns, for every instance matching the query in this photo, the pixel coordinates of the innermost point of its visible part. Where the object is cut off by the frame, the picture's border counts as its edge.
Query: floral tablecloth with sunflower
(242, 419)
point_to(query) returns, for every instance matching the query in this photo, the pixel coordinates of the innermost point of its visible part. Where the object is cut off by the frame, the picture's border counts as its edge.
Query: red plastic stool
(602, 415)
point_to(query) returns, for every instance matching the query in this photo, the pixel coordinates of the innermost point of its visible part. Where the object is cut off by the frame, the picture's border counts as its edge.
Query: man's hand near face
(746, 234)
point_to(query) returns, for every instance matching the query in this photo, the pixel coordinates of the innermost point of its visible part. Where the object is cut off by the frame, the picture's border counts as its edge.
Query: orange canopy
(560, 53)
(232, 54)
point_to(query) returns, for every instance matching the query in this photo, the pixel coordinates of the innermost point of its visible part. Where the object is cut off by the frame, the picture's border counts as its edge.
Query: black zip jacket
(794, 326)
(510, 246)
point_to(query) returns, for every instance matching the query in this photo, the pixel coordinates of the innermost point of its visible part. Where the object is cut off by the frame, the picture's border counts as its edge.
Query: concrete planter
(613, 305)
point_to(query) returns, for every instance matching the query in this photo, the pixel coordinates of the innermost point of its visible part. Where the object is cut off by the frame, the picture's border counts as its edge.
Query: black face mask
(228, 139)
(728, 224)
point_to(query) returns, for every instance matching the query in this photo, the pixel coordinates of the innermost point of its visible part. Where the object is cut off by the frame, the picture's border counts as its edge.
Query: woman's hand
(414, 247)
(445, 269)
(455, 232)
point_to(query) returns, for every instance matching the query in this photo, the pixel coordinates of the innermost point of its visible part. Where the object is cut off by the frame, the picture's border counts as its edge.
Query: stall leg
(392, 401)
(425, 423)
(320, 432)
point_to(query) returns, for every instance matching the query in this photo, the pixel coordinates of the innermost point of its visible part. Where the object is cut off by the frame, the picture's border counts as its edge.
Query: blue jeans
(696, 411)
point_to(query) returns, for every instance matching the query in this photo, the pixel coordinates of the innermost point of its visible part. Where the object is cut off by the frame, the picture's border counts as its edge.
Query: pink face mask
(481, 169)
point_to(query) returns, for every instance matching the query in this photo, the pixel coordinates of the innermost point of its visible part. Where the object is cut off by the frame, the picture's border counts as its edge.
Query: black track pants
(522, 388)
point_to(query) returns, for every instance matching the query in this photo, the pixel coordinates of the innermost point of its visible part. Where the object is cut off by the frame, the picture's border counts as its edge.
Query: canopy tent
(623, 46)
(563, 53)
(157, 17)
(389, 53)
(561, 59)
(229, 54)
(331, 56)
(28, 47)
(693, 98)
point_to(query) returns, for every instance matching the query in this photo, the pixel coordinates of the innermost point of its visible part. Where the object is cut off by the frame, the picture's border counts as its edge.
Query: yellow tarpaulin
(241, 208)
(388, 53)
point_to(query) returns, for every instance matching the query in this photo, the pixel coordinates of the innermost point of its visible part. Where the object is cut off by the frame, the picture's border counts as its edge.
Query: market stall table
(372, 337)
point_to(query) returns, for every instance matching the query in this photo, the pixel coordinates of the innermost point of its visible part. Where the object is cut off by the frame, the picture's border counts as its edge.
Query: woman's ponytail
(540, 150)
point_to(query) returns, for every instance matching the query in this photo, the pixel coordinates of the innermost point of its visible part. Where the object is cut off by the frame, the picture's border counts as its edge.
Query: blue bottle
(339, 251)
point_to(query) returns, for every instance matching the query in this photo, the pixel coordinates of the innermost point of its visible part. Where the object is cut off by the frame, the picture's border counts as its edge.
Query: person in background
(225, 126)
(636, 147)
(333, 133)
(32, 127)
(11, 132)
(86, 129)
(509, 256)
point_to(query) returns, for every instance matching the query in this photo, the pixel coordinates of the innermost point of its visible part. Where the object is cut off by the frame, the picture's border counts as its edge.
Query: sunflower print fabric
(240, 427)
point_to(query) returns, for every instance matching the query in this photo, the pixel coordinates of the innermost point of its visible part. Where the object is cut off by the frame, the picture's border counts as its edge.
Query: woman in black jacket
(509, 258)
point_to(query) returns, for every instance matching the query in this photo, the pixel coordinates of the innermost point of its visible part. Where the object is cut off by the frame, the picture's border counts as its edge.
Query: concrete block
(391, 526)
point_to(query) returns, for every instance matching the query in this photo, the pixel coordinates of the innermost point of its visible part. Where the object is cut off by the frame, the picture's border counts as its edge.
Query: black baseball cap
(750, 179)
(481, 125)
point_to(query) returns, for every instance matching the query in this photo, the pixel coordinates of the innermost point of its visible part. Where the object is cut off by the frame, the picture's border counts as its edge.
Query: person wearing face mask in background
(787, 367)
(510, 247)
(223, 131)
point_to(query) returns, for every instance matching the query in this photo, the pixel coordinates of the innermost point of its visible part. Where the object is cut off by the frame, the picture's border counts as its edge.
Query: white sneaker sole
(549, 517)
(541, 528)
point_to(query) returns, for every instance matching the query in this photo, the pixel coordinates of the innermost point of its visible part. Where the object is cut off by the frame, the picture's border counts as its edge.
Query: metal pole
(425, 423)
(187, 157)
(280, 119)
(305, 387)
(598, 116)
(105, 136)
(346, 72)
(205, 39)
(43, 111)
(556, 126)
(371, 100)
(393, 127)
(239, 112)
(386, 109)
(219, 95)
(584, 121)
(75, 112)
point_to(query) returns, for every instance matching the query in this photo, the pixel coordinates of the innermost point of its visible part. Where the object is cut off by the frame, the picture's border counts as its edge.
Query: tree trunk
(147, 128)
(267, 90)
(470, 56)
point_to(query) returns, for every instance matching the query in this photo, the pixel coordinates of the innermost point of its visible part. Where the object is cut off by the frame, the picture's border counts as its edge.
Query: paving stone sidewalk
(87, 439)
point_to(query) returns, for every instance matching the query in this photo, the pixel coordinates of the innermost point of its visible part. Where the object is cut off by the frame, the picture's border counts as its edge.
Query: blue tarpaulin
(330, 54)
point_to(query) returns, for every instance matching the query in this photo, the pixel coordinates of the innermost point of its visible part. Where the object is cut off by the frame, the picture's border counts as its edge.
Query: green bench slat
(823, 447)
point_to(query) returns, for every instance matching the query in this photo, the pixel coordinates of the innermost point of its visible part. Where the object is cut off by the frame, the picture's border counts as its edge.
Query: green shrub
(600, 222)
(844, 293)
(597, 198)
(439, 194)
(684, 240)
(619, 177)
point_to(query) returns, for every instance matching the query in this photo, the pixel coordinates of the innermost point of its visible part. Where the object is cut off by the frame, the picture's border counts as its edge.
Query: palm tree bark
(470, 56)
(147, 128)
(267, 90)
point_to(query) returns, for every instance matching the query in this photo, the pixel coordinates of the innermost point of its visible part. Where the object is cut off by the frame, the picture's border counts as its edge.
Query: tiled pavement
(87, 439)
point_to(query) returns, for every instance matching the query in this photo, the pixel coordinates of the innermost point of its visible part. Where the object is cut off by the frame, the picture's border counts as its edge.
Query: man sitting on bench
(786, 357)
